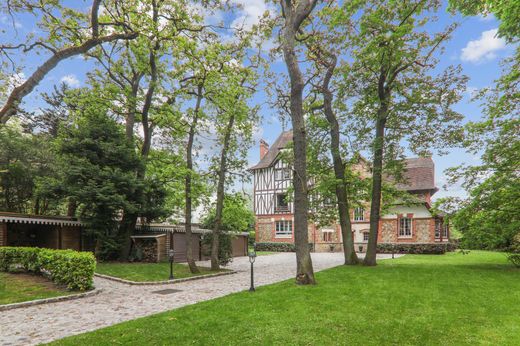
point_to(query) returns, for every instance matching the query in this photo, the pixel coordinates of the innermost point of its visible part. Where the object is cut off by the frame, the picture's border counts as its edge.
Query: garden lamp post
(170, 254)
(252, 257)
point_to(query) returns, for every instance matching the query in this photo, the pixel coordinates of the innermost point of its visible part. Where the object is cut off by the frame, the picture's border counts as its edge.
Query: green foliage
(275, 247)
(24, 160)
(225, 247)
(99, 166)
(65, 267)
(237, 215)
(515, 259)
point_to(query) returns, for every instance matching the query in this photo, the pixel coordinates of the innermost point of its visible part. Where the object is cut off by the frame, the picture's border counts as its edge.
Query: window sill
(405, 237)
(283, 236)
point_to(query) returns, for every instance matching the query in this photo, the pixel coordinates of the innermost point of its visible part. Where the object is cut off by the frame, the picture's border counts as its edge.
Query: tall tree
(396, 89)
(66, 37)
(295, 13)
(322, 50)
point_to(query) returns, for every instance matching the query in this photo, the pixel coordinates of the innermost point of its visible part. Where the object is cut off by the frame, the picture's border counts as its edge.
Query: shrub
(65, 267)
(225, 249)
(515, 259)
(435, 249)
(275, 247)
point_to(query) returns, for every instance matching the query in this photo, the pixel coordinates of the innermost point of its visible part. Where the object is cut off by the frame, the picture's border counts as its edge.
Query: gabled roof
(419, 174)
(274, 150)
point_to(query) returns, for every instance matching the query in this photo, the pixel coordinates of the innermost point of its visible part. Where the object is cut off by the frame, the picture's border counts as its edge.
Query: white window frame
(444, 231)
(408, 231)
(366, 235)
(283, 229)
(281, 174)
(359, 214)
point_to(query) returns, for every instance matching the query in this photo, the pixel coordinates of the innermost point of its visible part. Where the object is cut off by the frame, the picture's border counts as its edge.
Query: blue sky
(473, 45)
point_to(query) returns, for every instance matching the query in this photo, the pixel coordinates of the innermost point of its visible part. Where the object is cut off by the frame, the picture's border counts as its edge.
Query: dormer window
(359, 214)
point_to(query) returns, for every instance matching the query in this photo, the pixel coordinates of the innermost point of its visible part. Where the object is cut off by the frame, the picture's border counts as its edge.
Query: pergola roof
(39, 219)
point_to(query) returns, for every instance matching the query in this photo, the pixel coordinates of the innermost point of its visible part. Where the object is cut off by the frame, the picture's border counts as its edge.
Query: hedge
(64, 267)
(415, 248)
(275, 247)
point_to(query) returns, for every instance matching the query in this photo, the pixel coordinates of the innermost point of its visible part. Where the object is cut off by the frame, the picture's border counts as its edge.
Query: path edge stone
(165, 282)
(50, 300)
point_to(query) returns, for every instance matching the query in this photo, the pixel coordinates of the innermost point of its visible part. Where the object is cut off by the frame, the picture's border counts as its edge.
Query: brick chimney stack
(264, 148)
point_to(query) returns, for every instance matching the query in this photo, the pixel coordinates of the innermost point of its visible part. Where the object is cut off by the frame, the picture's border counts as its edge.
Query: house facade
(411, 223)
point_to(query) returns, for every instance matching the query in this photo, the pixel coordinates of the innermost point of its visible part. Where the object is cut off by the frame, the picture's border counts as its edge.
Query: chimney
(264, 148)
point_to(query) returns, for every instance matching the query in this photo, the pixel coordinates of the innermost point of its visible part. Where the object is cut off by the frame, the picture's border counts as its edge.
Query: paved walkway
(121, 302)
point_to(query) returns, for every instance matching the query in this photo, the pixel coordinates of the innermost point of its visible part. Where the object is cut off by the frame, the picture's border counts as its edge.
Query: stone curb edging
(174, 281)
(50, 300)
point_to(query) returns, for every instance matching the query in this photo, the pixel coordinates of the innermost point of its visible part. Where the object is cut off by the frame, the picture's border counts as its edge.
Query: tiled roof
(274, 149)
(419, 174)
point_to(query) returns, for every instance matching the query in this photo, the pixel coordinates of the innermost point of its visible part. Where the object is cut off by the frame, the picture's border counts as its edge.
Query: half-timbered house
(411, 223)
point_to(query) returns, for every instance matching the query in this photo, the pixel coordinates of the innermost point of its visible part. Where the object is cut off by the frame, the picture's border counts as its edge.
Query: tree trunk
(293, 18)
(339, 169)
(72, 205)
(129, 221)
(187, 185)
(220, 195)
(377, 181)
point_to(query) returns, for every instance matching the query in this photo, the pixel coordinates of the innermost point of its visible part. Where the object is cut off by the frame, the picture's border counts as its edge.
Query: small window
(405, 227)
(282, 174)
(359, 214)
(327, 236)
(366, 236)
(281, 202)
(283, 229)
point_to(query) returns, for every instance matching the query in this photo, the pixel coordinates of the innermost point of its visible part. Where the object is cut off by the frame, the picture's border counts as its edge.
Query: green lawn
(148, 271)
(451, 299)
(16, 288)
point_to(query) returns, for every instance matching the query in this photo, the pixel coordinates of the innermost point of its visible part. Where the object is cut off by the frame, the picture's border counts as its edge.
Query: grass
(148, 271)
(16, 288)
(265, 253)
(450, 299)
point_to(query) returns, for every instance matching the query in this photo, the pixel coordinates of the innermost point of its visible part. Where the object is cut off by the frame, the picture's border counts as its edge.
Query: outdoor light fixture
(252, 257)
(170, 254)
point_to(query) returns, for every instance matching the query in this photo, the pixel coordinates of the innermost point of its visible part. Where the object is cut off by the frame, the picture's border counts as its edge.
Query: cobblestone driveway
(121, 302)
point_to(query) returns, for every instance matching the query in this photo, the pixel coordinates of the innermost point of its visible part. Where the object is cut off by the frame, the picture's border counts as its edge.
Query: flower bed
(64, 267)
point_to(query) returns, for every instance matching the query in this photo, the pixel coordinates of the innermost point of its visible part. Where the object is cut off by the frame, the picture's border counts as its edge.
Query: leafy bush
(275, 247)
(65, 267)
(434, 249)
(225, 249)
(515, 259)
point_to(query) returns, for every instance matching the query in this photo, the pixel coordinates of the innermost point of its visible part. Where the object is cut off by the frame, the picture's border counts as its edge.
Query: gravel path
(121, 302)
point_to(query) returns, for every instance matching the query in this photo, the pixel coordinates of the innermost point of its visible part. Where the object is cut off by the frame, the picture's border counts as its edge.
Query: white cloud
(71, 80)
(484, 48)
(250, 12)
